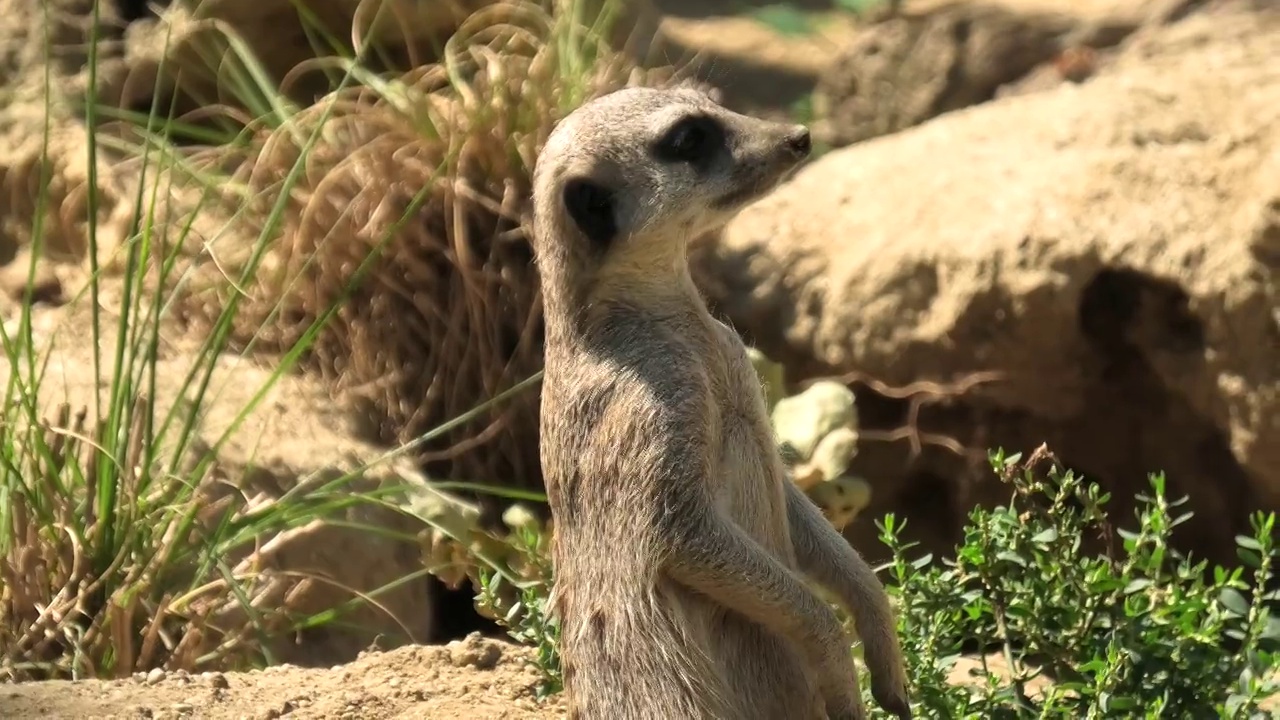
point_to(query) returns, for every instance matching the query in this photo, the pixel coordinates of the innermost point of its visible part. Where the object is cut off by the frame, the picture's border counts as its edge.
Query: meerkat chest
(752, 493)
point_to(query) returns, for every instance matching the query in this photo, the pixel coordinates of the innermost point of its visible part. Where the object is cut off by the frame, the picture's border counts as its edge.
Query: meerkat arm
(825, 556)
(713, 556)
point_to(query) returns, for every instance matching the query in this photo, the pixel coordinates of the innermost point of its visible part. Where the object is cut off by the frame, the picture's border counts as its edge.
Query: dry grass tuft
(106, 571)
(428, 178)
(77, 598)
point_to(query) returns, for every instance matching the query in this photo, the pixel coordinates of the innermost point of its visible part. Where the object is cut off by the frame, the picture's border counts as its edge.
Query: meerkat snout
(799, 142)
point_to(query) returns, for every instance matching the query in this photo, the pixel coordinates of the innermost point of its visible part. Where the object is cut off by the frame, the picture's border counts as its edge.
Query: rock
(909, 68)
(155, 676)
(772, 377)
(841, 499)
(475, 651)
(804, 419)
(1108, 249)
(216, 680)
(819, 429)
(817, 435)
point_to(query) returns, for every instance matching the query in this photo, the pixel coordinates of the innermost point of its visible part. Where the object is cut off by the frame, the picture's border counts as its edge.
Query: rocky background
(1034, 221)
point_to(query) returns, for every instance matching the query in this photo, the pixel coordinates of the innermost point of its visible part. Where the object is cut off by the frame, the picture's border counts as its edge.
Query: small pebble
(155, 676)
(474, 652)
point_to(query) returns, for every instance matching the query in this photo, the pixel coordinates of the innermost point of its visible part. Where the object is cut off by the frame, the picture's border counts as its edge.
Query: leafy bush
(1143, 633)
(527, 615)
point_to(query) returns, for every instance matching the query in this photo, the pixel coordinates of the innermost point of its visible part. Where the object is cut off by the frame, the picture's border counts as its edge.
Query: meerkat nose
(798, 141)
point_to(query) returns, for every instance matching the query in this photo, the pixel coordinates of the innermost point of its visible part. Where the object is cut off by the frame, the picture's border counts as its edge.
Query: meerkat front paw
(844, 702)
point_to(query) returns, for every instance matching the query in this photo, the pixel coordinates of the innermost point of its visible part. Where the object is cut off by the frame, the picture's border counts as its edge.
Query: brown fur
(680, 542)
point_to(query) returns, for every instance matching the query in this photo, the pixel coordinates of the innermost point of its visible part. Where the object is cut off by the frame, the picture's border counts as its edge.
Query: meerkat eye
(687, 141)
(692, 140)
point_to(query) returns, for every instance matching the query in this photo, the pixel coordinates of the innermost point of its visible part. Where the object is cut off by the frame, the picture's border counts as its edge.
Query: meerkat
(680, 546)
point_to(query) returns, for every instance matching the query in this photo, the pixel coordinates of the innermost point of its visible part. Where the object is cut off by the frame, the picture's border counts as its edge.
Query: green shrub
(1144, 633)
(527, 615)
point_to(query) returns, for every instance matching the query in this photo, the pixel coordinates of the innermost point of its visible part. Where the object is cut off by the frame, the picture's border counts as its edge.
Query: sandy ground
(471, 678)
(475, 678)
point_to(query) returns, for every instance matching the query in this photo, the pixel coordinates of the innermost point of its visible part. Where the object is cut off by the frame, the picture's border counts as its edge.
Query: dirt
(905, 70)
(474, 678)
(468, 678)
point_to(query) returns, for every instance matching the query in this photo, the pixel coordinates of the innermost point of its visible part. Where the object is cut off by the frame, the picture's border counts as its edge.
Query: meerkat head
(640, 169)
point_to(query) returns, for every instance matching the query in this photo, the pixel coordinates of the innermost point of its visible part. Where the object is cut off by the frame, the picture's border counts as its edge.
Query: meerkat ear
(591, 206)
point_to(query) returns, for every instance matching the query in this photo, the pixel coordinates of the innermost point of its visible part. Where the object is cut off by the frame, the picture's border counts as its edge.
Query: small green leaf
(1010, 556)
(1137, 585)
(1045, 537)
(1233, 601)
(1272, 629)
(922, 561)
(1123, 703)
(1247, 542)
(1249, 557)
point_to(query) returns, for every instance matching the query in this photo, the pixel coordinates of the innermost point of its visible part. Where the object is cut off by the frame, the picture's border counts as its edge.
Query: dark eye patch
(694, 140)
(591, 207)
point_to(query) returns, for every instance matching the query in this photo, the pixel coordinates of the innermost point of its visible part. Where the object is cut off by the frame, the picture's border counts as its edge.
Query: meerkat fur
(680, 546)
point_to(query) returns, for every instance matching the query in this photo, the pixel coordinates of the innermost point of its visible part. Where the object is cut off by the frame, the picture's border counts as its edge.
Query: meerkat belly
(765, 673)
(758, 675)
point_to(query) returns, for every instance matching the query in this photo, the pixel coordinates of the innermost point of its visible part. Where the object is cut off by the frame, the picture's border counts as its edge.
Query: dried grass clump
(427, 178)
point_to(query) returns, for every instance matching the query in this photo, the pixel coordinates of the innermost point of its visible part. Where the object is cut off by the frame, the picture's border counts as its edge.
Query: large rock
(899, 73)
(938, 57)
(1110, 249)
